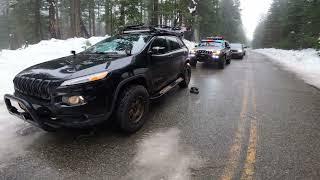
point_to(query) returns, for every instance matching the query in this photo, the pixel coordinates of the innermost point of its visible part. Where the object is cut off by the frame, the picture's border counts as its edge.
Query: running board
(167, 89)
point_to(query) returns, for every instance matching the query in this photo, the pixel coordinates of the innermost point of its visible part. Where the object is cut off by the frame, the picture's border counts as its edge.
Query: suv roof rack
(157, 29)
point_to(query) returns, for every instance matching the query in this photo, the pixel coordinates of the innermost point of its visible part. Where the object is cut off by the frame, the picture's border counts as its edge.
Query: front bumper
(206, 58)
(56, 114)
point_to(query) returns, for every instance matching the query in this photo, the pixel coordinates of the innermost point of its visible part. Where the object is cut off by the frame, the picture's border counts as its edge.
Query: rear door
(160, 63)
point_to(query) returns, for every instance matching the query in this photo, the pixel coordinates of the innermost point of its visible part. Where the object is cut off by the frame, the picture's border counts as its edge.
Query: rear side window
(160, 42)
(173, 43)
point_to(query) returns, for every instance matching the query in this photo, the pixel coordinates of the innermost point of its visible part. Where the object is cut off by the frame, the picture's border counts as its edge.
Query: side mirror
(73, 52)
(157, 50)
(128, 51)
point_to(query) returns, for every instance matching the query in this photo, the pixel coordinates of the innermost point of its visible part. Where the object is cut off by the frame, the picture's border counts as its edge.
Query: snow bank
(14, 61)
(304, 63)
(189, 44)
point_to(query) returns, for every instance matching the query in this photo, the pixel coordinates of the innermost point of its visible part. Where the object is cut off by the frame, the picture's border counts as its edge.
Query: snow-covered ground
(14, 61)
(304, 63)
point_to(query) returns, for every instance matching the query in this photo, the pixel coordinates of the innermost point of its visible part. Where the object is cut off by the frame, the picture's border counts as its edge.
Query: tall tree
(37, 18)
(53, 19)
(75, 18)
(290, 24)
(155, 12)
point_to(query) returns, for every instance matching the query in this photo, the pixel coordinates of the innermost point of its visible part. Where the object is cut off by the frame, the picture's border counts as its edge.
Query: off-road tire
(126, 100)
(228, 61)
(186, 77)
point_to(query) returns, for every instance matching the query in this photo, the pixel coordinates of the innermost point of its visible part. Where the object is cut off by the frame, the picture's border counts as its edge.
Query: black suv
(211, 50)
(119, 75)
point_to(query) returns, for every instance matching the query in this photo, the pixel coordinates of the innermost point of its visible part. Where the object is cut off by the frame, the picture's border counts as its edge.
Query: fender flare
(122, 84)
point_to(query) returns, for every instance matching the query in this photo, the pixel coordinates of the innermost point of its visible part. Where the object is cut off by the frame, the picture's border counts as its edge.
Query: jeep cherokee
(119, 75)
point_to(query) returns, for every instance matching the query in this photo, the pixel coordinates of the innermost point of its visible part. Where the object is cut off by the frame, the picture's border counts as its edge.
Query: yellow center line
(235, 149)
(249, 166)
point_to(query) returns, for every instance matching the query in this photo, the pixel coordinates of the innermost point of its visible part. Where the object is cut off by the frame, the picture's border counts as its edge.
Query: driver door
(160, 62)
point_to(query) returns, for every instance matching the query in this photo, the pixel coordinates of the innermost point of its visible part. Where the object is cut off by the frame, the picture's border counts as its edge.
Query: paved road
(250, 121)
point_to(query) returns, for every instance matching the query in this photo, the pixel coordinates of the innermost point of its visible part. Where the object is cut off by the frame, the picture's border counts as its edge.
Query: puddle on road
(13, 132)
(162, 156)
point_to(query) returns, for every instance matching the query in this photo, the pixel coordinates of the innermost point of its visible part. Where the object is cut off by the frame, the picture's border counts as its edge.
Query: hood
(75, 66)
(208, 48)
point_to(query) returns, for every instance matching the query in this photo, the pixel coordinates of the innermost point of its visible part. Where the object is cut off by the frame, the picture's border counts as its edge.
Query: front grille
(34, 87)
(234, 50)
(204, 52)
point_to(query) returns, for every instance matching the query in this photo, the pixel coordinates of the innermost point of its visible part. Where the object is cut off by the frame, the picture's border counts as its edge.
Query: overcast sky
(252, 10)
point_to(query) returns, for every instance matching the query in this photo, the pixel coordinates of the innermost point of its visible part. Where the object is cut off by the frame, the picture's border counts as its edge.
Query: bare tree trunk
(155, 12)
(99, 20)
(122, 13)
(52, 19)
(75, 18)
(108, 12)
(92, 18)
(38, 31)
(83, 29)
(58, 29)
(161, 15)
(93, 23)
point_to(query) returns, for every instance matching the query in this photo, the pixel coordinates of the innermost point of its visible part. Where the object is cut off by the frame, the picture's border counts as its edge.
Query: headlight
(85, 79)
(217, 52)
(74, 100)
(240, 51)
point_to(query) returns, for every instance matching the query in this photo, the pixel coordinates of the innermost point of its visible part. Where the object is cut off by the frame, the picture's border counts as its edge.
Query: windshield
(213, 44)
(236, 46)
(120, 43)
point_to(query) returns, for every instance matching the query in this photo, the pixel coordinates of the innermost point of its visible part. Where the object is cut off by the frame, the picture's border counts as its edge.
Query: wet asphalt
(252, 120)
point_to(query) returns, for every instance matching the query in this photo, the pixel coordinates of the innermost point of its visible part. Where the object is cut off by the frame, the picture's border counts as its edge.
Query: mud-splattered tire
(132, 108)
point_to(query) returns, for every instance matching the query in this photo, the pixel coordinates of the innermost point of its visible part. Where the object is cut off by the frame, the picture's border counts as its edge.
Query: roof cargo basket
(157, 29)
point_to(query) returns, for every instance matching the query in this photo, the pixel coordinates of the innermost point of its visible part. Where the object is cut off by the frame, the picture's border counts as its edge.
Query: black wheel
(186, 77)
(241, 57)
(193, 63)
(228, 61)
(222, 63)
(133, 105)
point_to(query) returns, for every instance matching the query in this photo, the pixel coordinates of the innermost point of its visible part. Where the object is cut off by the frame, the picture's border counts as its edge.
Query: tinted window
(236, 46)
(160, 42)
(173, 43)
